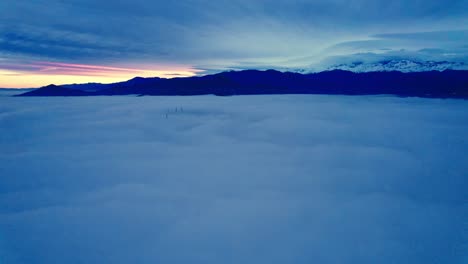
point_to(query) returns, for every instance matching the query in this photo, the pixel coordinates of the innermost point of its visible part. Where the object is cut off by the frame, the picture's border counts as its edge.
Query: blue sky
(190, 37)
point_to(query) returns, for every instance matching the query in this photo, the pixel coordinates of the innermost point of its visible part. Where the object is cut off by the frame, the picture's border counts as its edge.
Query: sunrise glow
(40, 73)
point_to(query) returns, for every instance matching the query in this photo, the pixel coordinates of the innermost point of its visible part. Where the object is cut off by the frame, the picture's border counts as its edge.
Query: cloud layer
(259, 179)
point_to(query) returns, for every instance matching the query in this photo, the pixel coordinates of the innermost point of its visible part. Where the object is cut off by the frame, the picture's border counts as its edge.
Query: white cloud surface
(247, 179)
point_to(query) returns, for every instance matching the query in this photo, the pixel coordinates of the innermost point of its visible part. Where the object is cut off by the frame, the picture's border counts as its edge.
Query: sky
(56, 41)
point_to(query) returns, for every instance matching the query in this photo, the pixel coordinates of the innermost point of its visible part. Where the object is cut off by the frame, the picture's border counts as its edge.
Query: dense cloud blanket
(246, 179)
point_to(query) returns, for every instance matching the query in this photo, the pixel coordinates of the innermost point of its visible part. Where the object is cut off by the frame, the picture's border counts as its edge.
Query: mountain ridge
(402, 65)
(439, 84)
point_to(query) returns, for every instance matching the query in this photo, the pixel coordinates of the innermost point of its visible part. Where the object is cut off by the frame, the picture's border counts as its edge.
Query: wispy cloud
(37, 73)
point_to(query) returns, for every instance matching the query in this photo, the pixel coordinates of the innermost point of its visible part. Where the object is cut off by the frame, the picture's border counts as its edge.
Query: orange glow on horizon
(45, 73)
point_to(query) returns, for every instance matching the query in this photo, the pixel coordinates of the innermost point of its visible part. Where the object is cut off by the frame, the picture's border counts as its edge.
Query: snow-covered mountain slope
(400, 65)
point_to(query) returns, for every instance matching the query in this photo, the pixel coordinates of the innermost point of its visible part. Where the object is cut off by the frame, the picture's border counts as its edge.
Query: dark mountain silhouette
(446, 84)
(86, 86)
(54, 90)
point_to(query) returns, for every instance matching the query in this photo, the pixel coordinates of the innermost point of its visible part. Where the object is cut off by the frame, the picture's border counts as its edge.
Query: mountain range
(438, 84)
(402, 65)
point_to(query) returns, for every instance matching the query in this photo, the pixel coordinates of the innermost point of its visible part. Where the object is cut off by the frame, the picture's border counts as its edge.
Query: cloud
(420, 47)
(57, 68)
(459, 36)
(207, 33)
(400, 60)
(258, 179)
(23, 73)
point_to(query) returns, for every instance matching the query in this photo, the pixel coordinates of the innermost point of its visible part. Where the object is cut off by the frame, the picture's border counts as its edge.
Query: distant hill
(439, 84)
(54, 90)
(86, 86)
(7, 92)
